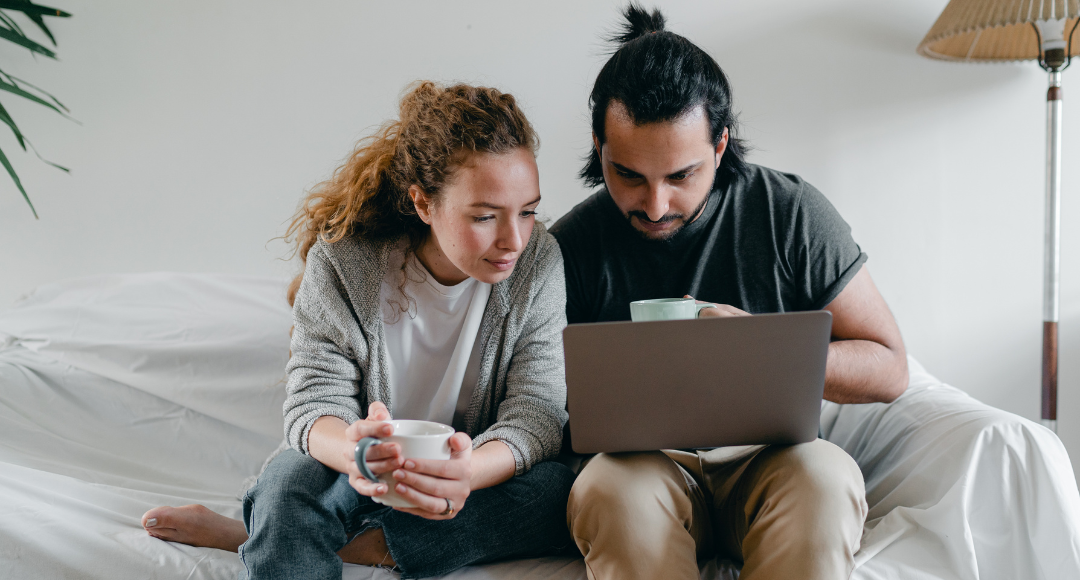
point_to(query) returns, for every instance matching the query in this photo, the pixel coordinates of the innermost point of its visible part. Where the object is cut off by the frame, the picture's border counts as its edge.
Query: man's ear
(721, 147)
(596, 145)
(421, 202)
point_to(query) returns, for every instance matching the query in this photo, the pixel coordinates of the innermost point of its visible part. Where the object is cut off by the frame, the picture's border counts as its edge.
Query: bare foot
(368, 549)
(195, 525)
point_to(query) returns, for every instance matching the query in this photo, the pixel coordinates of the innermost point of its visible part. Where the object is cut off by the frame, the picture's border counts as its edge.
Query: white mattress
(121, 393)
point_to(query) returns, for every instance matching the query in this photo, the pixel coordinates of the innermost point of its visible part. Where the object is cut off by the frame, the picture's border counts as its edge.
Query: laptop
(686, 384)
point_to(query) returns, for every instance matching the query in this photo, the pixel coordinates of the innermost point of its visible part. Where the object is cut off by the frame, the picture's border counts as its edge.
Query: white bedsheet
(958, 489)
(121, 393)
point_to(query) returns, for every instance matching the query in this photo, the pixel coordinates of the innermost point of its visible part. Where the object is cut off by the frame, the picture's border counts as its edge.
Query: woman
(429, 292)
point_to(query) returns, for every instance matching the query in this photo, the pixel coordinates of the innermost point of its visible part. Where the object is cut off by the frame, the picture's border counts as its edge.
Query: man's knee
(818, 477)
(625, 484)
(632, 516)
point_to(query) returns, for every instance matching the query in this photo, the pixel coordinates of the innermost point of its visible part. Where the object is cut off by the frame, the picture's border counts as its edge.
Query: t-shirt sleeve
(825, 256)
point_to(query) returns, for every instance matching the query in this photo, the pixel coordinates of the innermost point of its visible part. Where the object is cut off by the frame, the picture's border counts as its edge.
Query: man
(683, 214)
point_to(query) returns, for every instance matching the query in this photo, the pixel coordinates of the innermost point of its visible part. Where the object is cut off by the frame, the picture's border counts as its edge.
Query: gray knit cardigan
(339, 358)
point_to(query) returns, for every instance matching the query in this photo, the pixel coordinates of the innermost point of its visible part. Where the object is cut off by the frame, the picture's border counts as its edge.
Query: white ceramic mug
(418, 440)
(666, 309)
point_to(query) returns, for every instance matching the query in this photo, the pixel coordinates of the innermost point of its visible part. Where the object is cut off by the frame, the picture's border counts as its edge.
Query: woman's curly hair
(436, 129)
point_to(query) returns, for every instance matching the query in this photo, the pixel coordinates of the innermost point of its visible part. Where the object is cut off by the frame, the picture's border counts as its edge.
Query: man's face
(659, 174)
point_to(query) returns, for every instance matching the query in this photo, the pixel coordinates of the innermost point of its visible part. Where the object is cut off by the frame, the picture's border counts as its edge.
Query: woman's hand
(429, 483)
(382, 458)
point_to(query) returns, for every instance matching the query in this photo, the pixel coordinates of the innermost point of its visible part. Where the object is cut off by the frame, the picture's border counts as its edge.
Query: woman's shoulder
(351, 267)
(352, 249)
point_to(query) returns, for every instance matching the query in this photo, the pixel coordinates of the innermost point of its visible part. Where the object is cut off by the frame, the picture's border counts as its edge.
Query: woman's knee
(554, 478)
(546, 484)
(292, 474)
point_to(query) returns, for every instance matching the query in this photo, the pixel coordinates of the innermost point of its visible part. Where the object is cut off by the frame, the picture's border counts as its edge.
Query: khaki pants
(785, 512)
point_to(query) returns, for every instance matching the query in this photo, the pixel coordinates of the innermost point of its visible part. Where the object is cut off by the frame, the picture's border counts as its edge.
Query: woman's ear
(421, 203)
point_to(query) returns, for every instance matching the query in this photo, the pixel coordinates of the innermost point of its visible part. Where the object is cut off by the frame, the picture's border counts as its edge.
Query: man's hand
(428, 483)
(381, 458)
(721, 310)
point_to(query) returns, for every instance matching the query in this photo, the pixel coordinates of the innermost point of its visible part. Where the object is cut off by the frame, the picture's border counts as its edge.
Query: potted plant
(11, 31)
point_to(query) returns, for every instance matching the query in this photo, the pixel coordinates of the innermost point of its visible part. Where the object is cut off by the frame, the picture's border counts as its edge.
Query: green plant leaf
(38, 89)
(10, 122)
(28, 8)
(23, 41)
(41, 24)
(11, 31)
(46, 161)
(29, 96)
(11, 23)
(6, 118)
(18, 183)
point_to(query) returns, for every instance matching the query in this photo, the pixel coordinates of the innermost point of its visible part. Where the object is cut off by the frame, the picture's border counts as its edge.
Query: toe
(157, 518)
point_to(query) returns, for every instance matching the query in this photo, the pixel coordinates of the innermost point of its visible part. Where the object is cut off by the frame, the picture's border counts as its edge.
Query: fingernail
(399, 474)
(401, 488)
(150, 523)
(382, 489)
(410, 464)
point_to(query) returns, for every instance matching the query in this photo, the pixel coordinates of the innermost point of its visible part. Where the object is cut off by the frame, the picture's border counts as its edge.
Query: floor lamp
(1005, 30)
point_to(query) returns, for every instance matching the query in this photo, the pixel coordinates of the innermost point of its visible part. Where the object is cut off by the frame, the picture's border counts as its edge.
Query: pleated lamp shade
(996, 30)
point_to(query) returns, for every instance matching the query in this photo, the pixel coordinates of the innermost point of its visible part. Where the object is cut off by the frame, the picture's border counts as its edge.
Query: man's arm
(867, 360)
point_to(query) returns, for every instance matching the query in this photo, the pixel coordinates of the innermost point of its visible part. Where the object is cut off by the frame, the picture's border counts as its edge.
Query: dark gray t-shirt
(769, 242)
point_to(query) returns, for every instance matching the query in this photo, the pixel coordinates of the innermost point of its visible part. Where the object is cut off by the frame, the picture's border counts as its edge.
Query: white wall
(202, 122)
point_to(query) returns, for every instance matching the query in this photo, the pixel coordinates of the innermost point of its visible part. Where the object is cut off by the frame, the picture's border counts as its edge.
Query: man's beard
(667, 218)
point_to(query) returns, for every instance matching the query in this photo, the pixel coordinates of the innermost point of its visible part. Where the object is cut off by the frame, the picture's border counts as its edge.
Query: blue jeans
(300, 513)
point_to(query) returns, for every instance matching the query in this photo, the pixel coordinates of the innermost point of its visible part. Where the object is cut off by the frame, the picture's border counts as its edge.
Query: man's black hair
(660, 76)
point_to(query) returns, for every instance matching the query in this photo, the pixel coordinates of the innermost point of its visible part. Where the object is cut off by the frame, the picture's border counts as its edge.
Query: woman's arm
(323, 375)
(531, 417)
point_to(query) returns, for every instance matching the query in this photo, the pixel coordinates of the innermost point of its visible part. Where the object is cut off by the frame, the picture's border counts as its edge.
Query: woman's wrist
(492, 464)
(326, 439)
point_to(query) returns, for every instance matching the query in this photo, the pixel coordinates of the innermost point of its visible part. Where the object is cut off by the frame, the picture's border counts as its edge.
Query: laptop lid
(709, 382)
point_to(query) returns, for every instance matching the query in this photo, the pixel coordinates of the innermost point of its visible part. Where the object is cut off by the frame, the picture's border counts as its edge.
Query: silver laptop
(709, 382)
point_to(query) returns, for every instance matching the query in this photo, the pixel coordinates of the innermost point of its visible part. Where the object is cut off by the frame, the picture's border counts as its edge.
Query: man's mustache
(645, 218)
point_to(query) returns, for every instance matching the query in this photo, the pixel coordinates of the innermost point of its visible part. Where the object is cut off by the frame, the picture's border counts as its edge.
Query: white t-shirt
(432, 346)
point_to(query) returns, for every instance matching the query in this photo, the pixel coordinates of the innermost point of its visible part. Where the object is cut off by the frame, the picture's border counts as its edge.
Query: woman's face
(483, 219)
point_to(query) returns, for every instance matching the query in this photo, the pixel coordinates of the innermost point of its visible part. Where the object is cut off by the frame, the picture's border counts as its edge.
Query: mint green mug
(666, 309)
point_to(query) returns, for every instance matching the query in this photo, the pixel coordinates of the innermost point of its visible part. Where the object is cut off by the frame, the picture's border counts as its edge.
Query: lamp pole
(1053, 57)
(1051, 257)
(1002, 30)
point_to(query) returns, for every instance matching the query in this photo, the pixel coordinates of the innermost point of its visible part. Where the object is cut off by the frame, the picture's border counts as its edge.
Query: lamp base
(1050, 424)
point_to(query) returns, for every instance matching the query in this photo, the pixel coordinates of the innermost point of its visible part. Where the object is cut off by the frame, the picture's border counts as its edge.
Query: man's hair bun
(638, 23)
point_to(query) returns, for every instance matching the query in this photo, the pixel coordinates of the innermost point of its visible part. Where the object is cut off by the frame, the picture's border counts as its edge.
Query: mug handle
(361, 458)
(701, 307)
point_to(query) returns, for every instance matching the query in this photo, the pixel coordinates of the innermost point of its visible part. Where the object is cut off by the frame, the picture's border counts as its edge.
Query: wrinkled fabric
(958, 489)
(122, 393)
(212, 343)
